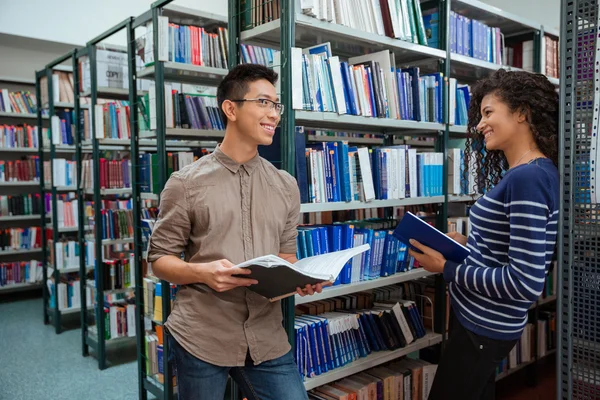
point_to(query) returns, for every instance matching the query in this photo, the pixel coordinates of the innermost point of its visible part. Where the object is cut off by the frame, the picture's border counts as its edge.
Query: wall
(546, 12)
(77, 21)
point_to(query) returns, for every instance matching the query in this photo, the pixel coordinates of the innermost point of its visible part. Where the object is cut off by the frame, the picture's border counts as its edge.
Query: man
(226, 208)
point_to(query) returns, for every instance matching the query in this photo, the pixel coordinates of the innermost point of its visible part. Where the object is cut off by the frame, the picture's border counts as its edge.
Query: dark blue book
(412, 227)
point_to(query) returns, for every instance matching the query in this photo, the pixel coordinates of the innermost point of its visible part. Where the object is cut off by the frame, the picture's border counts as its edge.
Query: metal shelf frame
(93, 336)
(52, 314)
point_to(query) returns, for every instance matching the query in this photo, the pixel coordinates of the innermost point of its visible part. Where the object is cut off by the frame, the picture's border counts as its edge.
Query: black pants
(467, 369)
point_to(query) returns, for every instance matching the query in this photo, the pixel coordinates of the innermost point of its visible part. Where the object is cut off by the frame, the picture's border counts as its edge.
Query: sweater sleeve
(527, 206)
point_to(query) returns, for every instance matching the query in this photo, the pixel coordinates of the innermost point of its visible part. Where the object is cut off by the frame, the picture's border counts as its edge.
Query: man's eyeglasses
(264, 103)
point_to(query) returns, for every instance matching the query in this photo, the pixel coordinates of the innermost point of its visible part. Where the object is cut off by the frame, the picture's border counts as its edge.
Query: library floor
(39, 364)
(36, 363)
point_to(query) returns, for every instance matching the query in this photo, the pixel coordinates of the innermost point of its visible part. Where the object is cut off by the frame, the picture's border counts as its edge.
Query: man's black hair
(235, 85)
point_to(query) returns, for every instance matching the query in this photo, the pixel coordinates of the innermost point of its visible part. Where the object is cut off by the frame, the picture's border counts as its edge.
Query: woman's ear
(523, 114)
(229, 110)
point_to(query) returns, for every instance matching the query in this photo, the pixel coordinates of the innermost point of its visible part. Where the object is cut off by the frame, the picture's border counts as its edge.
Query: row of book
(396, 19)
(187, 44)
(153, 350)
(175, 161)
(22, 136)
(523, 352)
(17, 205)
(68, 293)
(458, 184)
(117, 224)
(519, 55)
(257, 55)
(386, 256)
(64, 172)
(114, 174)
(335, 332)
(474, 38)
(20, 238)
(62, 127)
(119, 319)
(27, 169)
(194, 112)
(402, 379)
(19, 102)
(459, 99)
(66, 252)
(116, 273)
(368, 85)
(546, 331)
(153, 298)
(551, 63)
(62, 88)
(12, 273)
(460, 225)
(67, 211)
(112, 120)
(335, 171)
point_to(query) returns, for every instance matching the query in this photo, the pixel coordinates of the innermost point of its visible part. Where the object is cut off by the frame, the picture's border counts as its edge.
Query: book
(412, 227)
(278, 278)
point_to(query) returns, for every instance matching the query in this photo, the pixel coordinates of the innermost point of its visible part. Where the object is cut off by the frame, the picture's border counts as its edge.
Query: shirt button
(247, 239)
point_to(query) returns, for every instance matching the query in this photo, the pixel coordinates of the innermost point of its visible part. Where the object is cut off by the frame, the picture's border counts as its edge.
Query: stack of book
(114, 174)
(66, 209)
(112, 120)
(63, 128)
(63, 171)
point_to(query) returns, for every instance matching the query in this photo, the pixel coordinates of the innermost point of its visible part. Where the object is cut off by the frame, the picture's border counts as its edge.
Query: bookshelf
(19, 200)
(104, 185)
(154, 143)
(57, 192)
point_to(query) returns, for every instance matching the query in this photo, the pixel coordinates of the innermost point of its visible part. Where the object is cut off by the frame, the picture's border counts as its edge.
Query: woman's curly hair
(531, 94)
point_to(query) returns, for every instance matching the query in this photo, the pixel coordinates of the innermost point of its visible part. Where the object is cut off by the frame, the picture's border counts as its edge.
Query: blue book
(412, 227)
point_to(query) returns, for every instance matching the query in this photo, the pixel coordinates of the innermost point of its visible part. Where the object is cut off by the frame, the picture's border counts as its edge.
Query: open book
(278, 278)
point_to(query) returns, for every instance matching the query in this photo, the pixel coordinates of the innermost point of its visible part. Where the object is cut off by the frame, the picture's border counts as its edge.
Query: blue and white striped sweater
(513, 233)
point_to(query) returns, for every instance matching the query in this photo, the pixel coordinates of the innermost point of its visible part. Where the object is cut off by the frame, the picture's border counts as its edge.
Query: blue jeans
(271, 380)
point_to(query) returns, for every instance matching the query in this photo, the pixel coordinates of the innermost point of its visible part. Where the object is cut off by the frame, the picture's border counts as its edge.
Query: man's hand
(431, 260)
(462, 239)
(218, 275)
(310, 290)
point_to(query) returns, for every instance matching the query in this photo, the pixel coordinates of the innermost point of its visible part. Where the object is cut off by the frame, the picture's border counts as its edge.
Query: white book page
(330, 263)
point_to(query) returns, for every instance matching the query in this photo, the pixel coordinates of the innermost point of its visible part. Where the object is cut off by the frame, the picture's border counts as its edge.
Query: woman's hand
(431, 260)
(462, 239)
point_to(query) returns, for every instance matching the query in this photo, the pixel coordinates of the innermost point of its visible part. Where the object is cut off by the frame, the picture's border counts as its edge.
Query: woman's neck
(521, 154)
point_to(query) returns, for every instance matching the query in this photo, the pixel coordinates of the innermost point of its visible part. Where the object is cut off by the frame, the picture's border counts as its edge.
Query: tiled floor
(36, 363)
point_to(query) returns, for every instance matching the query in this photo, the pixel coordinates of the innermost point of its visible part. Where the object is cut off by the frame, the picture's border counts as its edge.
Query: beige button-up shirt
(216, 208)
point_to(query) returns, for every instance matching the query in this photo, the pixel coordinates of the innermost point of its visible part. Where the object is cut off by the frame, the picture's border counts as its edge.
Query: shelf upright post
(161, 126)
(79, 191)
(135, 196)
(55, 274)
(38, 95)
(288, 126)
(442, 146)
(99, 308)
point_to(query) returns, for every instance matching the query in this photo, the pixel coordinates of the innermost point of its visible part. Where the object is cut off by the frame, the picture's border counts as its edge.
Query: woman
(513, 230)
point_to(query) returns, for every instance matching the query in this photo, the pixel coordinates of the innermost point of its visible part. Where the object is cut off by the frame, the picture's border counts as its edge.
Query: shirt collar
(233, 165)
